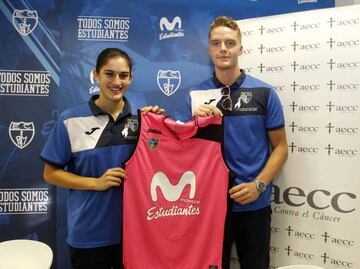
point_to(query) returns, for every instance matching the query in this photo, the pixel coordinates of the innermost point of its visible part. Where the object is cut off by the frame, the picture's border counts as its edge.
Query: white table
(25, 254)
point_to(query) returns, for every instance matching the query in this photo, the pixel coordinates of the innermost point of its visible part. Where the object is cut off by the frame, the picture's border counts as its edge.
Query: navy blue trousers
(108, 257)
(250, 231)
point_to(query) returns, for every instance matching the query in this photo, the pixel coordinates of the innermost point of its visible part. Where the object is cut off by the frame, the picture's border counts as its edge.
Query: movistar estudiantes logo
(178, 206)
(172, 192)
(170, 29)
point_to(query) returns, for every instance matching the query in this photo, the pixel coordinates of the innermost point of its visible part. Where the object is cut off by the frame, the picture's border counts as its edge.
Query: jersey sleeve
(57, 149)
(274, 115)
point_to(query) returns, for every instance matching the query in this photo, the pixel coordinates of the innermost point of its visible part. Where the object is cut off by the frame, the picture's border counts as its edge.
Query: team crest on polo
(153, 143)
(25, 21)
(133, 124)
(21, 133)
(129, 129)
(168, 81)
(246, 97)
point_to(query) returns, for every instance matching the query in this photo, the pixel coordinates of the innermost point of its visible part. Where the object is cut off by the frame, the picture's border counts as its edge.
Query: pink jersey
(175, 195)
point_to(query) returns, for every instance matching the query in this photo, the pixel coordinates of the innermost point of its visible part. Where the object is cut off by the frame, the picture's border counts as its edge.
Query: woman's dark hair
(109, 53)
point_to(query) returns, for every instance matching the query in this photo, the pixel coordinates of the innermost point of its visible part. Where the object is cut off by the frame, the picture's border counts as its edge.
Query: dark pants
(251, 232)
(108, 257)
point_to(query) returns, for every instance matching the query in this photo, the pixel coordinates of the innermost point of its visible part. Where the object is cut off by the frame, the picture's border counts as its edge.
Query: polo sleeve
(57, 149)
(274, 114)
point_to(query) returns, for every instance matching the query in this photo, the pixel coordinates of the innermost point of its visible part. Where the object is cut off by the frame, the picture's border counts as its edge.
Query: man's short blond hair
(226, 22)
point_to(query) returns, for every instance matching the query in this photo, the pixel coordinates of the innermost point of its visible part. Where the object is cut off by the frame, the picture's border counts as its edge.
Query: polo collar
(98, 111)
(237, 83)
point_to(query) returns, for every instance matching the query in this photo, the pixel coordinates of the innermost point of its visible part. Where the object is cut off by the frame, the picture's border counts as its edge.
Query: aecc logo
(319, 199)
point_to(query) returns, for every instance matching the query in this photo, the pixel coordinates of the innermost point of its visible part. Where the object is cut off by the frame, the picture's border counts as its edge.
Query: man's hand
(244, 193)
(207, 110)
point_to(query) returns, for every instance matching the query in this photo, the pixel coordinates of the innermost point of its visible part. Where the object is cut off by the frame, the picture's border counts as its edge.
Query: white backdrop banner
(313, 60)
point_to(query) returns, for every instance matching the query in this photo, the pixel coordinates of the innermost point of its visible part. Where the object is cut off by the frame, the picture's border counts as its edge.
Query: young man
(255, 142)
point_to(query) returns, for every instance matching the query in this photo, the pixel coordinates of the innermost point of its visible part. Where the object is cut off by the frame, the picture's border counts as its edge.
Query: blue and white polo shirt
(87, 141)
(251, 108)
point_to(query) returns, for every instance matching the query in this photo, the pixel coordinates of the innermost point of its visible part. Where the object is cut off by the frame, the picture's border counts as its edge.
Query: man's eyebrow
(226, 39)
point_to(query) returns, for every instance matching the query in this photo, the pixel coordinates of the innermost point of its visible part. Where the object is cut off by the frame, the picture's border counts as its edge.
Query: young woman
(85, 153)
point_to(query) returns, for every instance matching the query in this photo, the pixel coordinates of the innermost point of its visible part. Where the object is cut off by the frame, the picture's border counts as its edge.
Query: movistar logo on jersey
(172, 192)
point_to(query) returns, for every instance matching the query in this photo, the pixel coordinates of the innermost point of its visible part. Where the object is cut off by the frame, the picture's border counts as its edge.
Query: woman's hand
(113, 177)
(154, 109)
